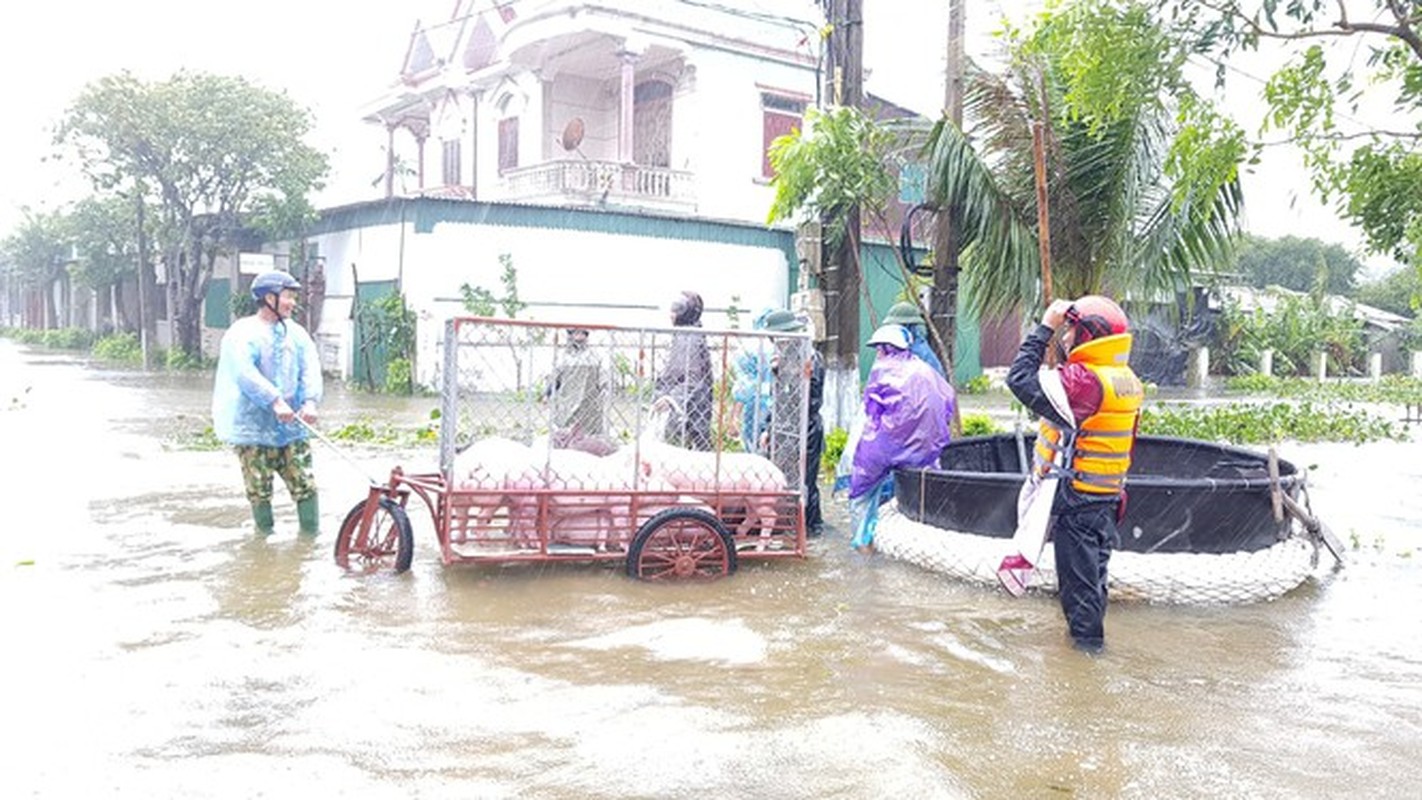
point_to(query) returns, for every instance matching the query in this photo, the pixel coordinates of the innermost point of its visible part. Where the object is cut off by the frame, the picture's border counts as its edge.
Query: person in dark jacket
(686, 379)
(783, 428)
(1089, 407)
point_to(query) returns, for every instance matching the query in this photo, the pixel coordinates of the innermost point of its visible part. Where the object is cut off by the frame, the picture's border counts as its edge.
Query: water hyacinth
(1248, 423)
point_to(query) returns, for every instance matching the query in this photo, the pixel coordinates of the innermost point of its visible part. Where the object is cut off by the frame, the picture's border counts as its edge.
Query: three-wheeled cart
(675, 451)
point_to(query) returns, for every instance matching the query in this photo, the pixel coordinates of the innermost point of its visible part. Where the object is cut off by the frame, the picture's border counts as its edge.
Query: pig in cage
(559, 438)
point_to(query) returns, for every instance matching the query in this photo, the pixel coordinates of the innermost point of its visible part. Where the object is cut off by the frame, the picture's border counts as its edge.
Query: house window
(451, 162)
(779, 116)
(651, 124)
(508, 144)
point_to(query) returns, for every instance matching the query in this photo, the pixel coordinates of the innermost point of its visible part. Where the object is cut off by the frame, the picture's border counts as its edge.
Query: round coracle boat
(1204, 522)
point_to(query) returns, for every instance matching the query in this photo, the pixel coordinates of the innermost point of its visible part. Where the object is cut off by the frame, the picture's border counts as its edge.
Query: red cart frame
(509, 490)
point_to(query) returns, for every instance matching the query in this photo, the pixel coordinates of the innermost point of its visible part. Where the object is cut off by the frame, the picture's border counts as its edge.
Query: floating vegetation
(1394, 389)
(203, 441)
(1249, 423)
(364, 431)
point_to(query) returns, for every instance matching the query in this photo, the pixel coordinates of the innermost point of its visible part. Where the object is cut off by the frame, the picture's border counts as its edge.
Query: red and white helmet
(1094, 317)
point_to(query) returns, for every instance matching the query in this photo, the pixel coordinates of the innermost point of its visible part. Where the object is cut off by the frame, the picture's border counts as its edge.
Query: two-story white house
(663, 106)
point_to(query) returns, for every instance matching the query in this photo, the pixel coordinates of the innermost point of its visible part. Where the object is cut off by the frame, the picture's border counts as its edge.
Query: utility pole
(943, 306)
(844, 86)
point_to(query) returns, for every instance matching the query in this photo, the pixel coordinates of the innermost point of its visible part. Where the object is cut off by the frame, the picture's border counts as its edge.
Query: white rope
(1205, 578)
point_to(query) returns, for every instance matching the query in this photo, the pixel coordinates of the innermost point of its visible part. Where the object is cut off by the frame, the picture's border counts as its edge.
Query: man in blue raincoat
(908, 315)
(268, 375)
(908, 409)
(753, 385)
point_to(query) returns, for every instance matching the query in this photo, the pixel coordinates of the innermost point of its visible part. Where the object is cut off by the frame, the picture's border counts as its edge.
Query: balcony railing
(594, 183)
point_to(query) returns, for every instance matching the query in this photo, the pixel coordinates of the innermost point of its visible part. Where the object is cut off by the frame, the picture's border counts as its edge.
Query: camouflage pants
(292, 463)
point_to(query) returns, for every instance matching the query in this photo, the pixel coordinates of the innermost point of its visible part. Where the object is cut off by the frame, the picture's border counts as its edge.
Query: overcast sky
(334, 56)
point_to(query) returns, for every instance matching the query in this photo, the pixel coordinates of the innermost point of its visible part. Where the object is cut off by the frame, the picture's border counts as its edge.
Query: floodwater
(154, 648)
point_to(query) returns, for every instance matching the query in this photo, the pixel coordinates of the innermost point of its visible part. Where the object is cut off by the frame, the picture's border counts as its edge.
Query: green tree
(481, 302)
(1373, 172)
(38, 252)
(106, 242)
(840, 162)
(215, 154)
(1297, 264)
(1142, 173)
(1399, 291)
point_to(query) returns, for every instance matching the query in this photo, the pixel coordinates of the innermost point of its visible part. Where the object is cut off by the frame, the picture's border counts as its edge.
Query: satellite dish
(572, 134)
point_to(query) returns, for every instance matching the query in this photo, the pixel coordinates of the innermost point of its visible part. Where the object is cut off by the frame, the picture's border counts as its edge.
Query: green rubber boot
(308, 512)
(262, 516)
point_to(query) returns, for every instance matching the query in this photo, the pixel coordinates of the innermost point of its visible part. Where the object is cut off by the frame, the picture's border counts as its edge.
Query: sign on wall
(255, 263)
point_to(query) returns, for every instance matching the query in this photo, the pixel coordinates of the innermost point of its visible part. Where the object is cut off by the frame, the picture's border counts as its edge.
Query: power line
(1265, 82)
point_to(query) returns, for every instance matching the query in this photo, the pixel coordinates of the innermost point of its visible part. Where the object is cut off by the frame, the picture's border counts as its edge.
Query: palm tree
(1142, 174)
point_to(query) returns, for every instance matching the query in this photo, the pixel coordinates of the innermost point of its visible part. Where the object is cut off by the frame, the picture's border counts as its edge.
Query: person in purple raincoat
(908, 409)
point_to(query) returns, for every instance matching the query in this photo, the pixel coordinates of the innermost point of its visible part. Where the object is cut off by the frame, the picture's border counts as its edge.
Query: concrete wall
(564, 274)
(721, 131)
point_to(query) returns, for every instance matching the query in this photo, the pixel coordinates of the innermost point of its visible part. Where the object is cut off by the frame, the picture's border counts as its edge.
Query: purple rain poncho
(908, 409)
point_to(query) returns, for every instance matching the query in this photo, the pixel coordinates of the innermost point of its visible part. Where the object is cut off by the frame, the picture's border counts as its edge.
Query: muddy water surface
(155, 648)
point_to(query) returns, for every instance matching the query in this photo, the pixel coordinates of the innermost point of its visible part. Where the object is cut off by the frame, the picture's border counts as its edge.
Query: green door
(217, 304)
(370, 359)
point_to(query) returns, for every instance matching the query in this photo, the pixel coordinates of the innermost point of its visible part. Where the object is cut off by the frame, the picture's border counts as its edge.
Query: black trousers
(1082, 539)
(814, 449)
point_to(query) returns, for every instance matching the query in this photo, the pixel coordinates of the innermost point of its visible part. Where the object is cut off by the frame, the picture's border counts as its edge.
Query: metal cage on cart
(675, 451)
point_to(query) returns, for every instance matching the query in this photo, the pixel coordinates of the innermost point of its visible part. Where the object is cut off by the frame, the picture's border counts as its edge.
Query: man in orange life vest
(1090, 451)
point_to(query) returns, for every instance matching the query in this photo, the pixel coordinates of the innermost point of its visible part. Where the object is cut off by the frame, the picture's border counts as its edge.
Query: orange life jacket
(1100, 448)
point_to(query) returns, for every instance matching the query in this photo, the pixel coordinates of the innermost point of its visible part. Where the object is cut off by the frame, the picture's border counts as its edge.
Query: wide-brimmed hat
(892, 335)
(903, 313)
(782, 321)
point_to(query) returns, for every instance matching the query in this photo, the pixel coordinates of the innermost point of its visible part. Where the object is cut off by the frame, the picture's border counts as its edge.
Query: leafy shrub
(978, 384)
(398, 376)
(123, 348)
(178, 361)
(835, 440)
(1411, 338)
(979, 425)
(66, 339)
(242, 304)
(1298, 327)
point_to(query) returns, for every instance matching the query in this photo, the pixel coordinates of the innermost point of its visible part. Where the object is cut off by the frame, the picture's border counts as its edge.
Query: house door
(370, 360)
(651, 124)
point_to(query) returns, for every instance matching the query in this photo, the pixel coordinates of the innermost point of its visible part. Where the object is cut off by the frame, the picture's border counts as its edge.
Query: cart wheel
(681, 544)
(388, 542)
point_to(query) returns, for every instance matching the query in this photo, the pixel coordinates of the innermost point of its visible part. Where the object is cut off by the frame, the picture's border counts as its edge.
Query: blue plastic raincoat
(920, 347)
(259, 362)
(753, 390)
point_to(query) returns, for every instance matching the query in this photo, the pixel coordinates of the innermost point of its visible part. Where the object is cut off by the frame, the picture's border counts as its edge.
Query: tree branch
(1406, 34)
(1342, 28)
